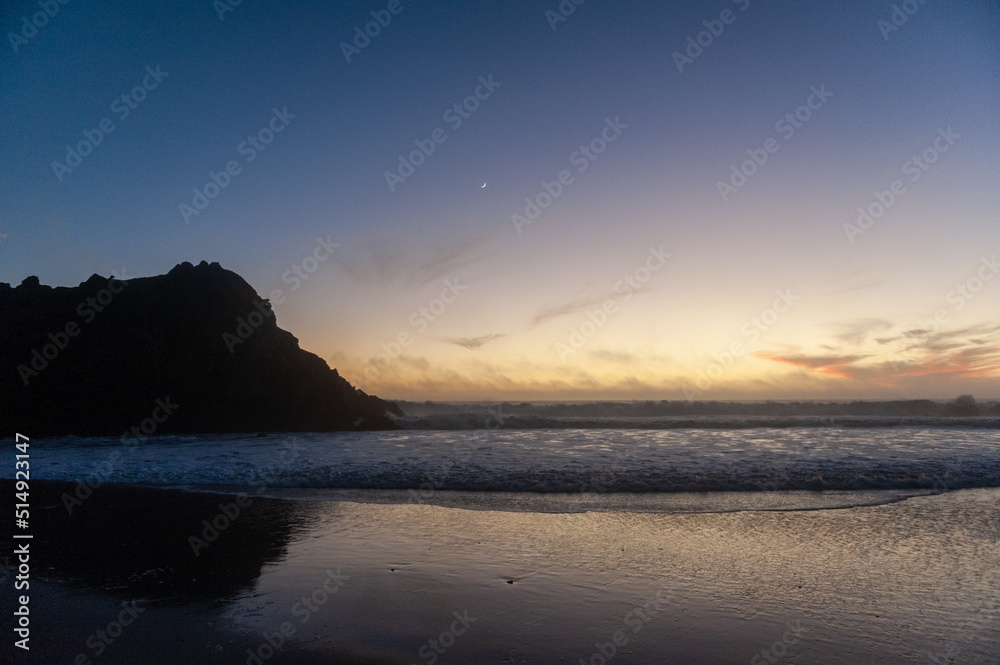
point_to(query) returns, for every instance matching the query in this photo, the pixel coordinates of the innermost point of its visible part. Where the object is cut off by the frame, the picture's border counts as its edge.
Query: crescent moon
(483, 186)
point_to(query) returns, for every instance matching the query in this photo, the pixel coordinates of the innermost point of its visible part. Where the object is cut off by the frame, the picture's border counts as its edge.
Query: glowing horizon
(653, 208)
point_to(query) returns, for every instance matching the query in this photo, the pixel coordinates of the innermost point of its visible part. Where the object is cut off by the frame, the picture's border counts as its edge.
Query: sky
(742, 199)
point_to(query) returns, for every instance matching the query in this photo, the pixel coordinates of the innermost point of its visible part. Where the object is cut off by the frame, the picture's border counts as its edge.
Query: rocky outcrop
(196, 350)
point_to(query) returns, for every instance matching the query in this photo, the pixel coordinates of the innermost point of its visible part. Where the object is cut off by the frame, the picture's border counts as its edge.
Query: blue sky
(854, 329)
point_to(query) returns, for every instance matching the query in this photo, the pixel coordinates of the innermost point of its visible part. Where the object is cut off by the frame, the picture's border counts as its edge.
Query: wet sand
(917, 581)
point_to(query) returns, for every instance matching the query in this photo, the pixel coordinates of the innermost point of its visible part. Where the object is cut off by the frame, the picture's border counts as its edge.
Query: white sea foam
(599, 461)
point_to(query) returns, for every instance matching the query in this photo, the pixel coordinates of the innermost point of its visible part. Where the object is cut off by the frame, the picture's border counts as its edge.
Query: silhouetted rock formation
(964, 405)
(195, 350)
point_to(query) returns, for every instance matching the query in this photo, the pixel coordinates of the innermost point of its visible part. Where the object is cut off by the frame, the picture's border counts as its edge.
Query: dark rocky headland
(194, 351)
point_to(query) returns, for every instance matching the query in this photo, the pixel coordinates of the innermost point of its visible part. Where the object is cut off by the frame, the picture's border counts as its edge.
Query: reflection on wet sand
(355, 582)
(137, 543)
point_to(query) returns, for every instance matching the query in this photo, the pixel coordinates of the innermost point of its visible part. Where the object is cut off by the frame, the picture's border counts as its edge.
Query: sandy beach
(338, 581)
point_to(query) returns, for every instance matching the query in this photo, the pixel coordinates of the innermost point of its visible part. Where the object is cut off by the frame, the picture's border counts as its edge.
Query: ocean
(725, 540)
(592, 468)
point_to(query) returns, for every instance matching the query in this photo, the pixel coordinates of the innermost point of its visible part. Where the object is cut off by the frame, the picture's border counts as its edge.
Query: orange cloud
(831, 365)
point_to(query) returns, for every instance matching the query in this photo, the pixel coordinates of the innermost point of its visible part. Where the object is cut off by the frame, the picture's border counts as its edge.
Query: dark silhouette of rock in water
(964, 405)
(195, 350)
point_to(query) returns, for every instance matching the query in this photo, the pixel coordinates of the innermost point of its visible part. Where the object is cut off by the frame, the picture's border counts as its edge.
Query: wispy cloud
(473, 343)
(852, 280)
(832, 365)
(971, 352)
(383, 261)
(617, 357)
(856, 332)
(445, 261)
(573, 306)
(545, 314)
